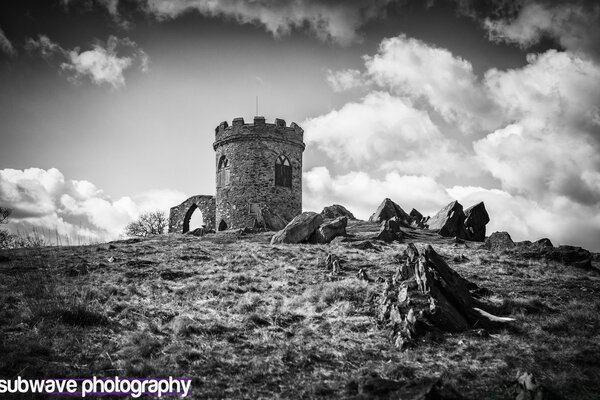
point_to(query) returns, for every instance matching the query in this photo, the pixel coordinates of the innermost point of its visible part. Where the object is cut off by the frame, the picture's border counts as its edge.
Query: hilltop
(247, 319)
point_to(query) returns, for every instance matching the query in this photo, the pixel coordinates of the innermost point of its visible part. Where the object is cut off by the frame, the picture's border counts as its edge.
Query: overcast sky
(108, 107)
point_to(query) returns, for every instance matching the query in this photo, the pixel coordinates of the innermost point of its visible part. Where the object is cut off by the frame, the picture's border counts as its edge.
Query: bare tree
(149, 223)
(6, 239)
(4, 214)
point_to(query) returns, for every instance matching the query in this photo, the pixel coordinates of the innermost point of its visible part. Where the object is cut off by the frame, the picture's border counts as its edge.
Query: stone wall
(179, 216)
(252, 150)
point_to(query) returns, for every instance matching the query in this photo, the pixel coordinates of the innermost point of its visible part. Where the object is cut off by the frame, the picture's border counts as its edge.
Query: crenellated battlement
(259, 129)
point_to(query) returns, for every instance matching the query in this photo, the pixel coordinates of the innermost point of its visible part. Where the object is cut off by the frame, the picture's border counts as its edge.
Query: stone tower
(258, 165)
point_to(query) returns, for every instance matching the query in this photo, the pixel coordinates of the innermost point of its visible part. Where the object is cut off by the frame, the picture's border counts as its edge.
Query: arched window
(283, 172)
(223, 172)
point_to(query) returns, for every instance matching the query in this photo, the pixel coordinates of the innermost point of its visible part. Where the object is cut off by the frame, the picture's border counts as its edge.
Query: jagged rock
(570, 255)
(544, 242)
(417, 219)
(388, 209)
(267, 219)
(476, 218)
(329, 230)
(390, 230)
(499, 241)
(434, 299)
(197, 232)
(449, 221)
(299, 229)
(335, 211)
(332, 263)
(363, 276)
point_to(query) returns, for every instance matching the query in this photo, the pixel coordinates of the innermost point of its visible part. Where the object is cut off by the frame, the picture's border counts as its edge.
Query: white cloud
(536, 147)
(344, 79)
(101, 64)
(381, 132)
(418, 70)
(361, 193)
(5, 44)
(329, 20)
(575, 26)
(44, 200)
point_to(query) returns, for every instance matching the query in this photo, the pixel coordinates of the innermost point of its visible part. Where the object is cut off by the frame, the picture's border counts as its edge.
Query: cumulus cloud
(329, 20)
(344, 79)
(535, 144)
(5, 44)
(362, 193)
(574, 25)
(102, 64)
(381, 132)
(48, 202)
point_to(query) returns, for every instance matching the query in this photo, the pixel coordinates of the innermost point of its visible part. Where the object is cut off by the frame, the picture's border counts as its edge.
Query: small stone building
(258, 166)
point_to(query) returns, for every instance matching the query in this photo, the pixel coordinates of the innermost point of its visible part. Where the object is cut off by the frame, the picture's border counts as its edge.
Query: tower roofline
(259, 129)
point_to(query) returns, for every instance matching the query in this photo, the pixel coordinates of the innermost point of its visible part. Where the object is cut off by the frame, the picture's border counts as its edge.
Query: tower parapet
(259, 130)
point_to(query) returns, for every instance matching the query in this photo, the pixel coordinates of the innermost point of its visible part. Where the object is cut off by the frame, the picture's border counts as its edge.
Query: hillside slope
(246, 319)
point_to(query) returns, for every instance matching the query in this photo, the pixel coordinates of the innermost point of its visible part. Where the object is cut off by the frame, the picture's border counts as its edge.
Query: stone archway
(179, 217)
(222, 225)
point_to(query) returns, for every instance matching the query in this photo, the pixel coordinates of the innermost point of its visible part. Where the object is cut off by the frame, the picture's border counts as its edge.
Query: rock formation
(432, 298)
(390, 230)
(299, 229)
(499, 241)
(329, 230)
(388, 209)
(449, 221)
(452, 221)
(476, 218)
(267, 219)
(335, 211)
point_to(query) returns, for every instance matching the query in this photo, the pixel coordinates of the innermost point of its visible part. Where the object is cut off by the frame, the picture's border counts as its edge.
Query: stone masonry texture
(251, 151)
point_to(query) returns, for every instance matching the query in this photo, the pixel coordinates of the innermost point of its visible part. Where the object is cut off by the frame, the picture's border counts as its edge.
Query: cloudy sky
(108, 107)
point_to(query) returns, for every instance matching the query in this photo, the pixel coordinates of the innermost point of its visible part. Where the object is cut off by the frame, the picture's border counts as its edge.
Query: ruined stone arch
(179, 217)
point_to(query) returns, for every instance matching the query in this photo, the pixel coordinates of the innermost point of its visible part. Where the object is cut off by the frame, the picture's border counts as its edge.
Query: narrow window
(223, 172)
(283, 172)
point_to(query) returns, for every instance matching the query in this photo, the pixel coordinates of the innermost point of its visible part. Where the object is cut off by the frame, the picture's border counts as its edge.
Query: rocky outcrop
(390, 230)
(476, 218)
(329, 230)
(569, 255)
(299, 229)
(388, 209)
(499, 241)
(433, 299)
(417, 219)
(449, 221)
(335, 211)
(269, 220)
(452, 221)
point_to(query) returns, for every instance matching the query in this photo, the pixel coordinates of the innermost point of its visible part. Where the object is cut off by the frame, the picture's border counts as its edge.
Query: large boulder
(335, 211)
(299, 229)
(329, 230)
(476, 217)
(499, 241)
(267, 219)
(388, 209)
(449, 221)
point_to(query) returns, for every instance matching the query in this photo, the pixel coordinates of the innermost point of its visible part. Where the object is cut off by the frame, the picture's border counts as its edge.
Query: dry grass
(250, 320)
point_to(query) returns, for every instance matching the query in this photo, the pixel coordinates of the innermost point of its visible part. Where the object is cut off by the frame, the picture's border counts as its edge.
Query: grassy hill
(245, 319)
